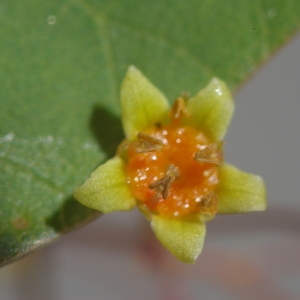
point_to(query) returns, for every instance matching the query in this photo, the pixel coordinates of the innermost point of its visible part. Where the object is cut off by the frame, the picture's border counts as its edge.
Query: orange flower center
(172, 170)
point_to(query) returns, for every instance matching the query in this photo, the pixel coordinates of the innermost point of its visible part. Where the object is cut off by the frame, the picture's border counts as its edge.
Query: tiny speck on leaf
(20, 223)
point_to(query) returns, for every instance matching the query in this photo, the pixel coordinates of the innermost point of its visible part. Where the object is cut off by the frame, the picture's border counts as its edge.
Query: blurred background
(252, 256)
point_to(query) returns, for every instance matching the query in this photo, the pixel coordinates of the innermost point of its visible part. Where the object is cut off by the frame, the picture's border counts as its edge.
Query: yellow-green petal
(211, 109)
(240, 192)
(142, 104)
(106, 190)
(182, 237)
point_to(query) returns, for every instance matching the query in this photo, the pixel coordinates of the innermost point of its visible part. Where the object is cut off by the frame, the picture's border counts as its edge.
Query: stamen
(208, 203)
(208, 155)
(163, 185)
(178, 108)
(148, 143)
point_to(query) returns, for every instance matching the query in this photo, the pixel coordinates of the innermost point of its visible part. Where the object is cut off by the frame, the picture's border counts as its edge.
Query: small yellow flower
(171, 165)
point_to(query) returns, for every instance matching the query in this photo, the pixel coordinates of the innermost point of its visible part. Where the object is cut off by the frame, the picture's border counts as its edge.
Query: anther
(208, 155)
(148, 143)
(208, 203)
(163, 185)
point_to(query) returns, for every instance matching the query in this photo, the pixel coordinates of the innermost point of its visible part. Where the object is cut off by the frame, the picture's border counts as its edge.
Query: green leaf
(106, 190)
(182, 237)
(240, 192)
(62, 64)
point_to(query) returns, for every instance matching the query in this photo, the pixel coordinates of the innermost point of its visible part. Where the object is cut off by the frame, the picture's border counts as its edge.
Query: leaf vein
(33, 172)
(101, 27)
(264, 30)
(102, 21)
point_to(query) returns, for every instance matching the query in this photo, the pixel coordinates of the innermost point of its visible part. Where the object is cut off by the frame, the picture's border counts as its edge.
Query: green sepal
(183, 237)
(211, 110)
(142, 104)
(240, 192)
(106, 190)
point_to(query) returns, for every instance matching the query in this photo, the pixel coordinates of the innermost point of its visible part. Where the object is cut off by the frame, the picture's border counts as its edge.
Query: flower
(171, 165)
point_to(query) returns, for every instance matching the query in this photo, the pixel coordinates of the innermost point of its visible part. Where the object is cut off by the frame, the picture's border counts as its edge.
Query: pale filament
(178, 108)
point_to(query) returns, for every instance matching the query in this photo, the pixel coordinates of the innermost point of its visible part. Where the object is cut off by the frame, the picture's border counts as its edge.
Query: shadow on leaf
(107, 130)
(70, 215)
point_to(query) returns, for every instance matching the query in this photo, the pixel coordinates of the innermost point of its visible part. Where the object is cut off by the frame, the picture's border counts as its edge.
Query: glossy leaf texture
(62, 63)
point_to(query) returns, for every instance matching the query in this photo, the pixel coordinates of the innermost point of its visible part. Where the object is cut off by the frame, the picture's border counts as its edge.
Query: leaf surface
(62, 63)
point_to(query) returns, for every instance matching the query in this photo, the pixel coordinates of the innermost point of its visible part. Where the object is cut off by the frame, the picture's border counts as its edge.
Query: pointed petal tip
(212, 109)
(106, 189)
(182, 237)
(132, 69)
(216, 80)
(219, 86)
(142, 104)
(240, 192)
